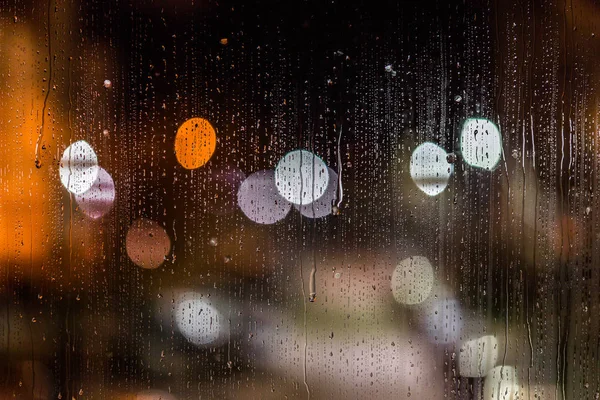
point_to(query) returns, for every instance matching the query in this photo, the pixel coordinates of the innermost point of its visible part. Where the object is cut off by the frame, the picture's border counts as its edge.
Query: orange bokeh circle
(195, 143)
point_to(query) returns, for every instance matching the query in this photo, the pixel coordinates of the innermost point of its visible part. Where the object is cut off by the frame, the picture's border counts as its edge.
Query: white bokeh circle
(259, 199)
(301, 177)
(430, 169)
(412, 280)
(197, 319)
(78, 168)
(481, 143)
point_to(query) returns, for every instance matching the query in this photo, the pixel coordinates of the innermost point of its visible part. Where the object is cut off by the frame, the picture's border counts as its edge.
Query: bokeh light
(501, 383)
(301, 177)
(412, 280)
(147, 243)
(480, 143)
(78, 168)
(195, 143)
(259, 199)
(98, 200)
(197, 319)
(323, 206)
(430, 169)
(478, 356)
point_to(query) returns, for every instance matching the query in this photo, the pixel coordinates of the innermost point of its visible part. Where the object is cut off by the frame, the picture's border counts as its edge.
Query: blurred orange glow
(25, 202)
(195, 143)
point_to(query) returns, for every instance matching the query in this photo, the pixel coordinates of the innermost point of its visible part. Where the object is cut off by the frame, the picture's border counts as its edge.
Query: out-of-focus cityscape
(323, 200)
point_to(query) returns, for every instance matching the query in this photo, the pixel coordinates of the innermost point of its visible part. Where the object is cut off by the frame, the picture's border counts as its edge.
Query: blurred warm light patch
(147, 243)
(25, 200)
(195, 143)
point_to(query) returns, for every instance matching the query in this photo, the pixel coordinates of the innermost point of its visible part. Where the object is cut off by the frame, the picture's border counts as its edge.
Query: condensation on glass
(317, 200)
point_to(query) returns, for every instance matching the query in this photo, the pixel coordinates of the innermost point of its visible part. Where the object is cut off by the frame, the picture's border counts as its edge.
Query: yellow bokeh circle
(195, 143)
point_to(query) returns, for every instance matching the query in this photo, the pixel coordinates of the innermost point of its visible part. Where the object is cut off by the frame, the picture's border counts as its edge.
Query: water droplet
(451, 158)
(213, 241)
(458, 98)
(107, 84)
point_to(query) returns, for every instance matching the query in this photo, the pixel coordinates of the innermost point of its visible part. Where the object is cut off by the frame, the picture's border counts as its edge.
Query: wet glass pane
(299, 199)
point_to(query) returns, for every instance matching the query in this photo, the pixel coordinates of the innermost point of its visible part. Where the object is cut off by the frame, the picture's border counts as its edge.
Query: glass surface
(299, 199)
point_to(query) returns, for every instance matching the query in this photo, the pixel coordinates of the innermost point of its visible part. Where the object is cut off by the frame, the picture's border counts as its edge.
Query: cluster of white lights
(301, 178)
(81, 175)
(480, 147)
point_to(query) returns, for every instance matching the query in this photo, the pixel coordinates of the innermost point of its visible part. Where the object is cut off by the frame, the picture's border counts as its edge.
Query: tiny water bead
(430, 169)
(301, 177)
(147, 243)
(78, 168)
(107, 84)
(195, 143)
(481, 143)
